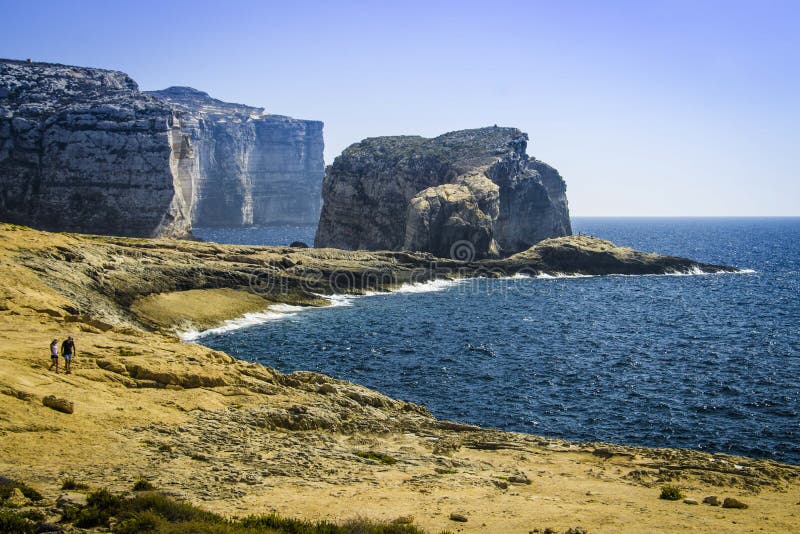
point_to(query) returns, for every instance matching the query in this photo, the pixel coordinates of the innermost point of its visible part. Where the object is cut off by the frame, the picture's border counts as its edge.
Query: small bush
(165, 447)
(101, 506)
(169, 509)
(143, 522)
(671, 493)
(14, 522)
(377, 456)
(34, 515)
(72, 484)
(143, 485)
(70, 513)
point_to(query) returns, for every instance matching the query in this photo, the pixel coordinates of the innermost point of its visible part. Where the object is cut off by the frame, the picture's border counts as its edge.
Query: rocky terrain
(84, 150)
(466, 194)
(240, 438)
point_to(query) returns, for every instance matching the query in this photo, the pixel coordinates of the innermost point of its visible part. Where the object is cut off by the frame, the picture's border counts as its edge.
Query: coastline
(239, 437)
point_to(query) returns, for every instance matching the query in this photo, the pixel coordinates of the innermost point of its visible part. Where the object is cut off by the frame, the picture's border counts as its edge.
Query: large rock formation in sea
(85, 150)
(466, 194)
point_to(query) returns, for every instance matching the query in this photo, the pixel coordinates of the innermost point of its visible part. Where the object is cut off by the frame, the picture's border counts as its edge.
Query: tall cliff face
(252, 167)
(470, 194)
(84, 150)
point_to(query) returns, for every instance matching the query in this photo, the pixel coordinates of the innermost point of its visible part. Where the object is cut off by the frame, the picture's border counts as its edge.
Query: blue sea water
(708, 362)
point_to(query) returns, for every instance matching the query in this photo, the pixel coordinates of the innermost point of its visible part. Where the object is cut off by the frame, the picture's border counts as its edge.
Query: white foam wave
(273, 313)
(427, 287)
(339, 300)
(551, 276)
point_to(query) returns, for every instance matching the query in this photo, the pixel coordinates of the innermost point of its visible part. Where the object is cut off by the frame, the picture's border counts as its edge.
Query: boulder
(58, 404)
(459, 518)
(730, 502)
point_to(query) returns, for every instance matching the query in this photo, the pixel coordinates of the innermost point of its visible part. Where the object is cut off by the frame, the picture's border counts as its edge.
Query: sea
(707, 362)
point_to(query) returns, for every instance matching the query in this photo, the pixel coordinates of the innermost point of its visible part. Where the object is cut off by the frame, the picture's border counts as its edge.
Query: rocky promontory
(466, 194)
(84, 150)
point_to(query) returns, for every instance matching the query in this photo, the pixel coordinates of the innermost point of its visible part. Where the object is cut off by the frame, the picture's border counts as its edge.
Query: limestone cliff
(251, 167)
(466, 194)
(84, 150)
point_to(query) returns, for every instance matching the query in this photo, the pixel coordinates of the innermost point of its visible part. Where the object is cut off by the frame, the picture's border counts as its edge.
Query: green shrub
(72, 484)
(142, 522)
(157, 513)
(13, 522)
(34, 515)
(671, 493)
(143, 485)
(101, 506)
(377, 456)
(70, 513)
(168, 508)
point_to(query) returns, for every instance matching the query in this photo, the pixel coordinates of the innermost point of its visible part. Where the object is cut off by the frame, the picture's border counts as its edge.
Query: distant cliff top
(196, 100)
(39, 83)
(462, 148)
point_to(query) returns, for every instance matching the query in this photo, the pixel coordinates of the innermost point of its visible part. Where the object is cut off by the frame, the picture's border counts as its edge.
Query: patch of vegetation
(11, 521)
(7, 489)
(72, 484)
(157, 513)
(671, 493)
(101, 506)
(165, 447)
(276, 523)
(377, 456)
(143, 485)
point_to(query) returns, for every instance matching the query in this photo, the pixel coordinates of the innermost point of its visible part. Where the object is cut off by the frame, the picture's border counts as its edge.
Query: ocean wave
(273, 313)
(431, 286)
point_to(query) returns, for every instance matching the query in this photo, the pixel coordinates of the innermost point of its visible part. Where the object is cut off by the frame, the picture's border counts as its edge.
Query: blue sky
(646, 108)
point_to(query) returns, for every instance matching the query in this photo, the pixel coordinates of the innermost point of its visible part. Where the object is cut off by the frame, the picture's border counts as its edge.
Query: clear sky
(646, 107)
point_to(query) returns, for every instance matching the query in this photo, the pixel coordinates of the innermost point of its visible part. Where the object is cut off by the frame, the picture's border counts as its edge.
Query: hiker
(68, 351)
(54, 355)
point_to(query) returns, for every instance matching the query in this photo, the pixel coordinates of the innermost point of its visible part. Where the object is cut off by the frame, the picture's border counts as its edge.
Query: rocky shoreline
(240, 438)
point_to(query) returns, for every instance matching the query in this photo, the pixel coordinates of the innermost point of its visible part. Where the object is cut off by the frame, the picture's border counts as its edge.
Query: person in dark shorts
(68, 351)
(54, 355)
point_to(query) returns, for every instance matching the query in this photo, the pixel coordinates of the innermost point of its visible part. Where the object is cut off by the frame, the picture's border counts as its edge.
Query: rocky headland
(466, 194)
(85, 150)
(241, 438)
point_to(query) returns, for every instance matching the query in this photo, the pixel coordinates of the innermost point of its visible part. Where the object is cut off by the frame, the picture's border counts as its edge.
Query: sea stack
(468, 194)
(84, 150)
